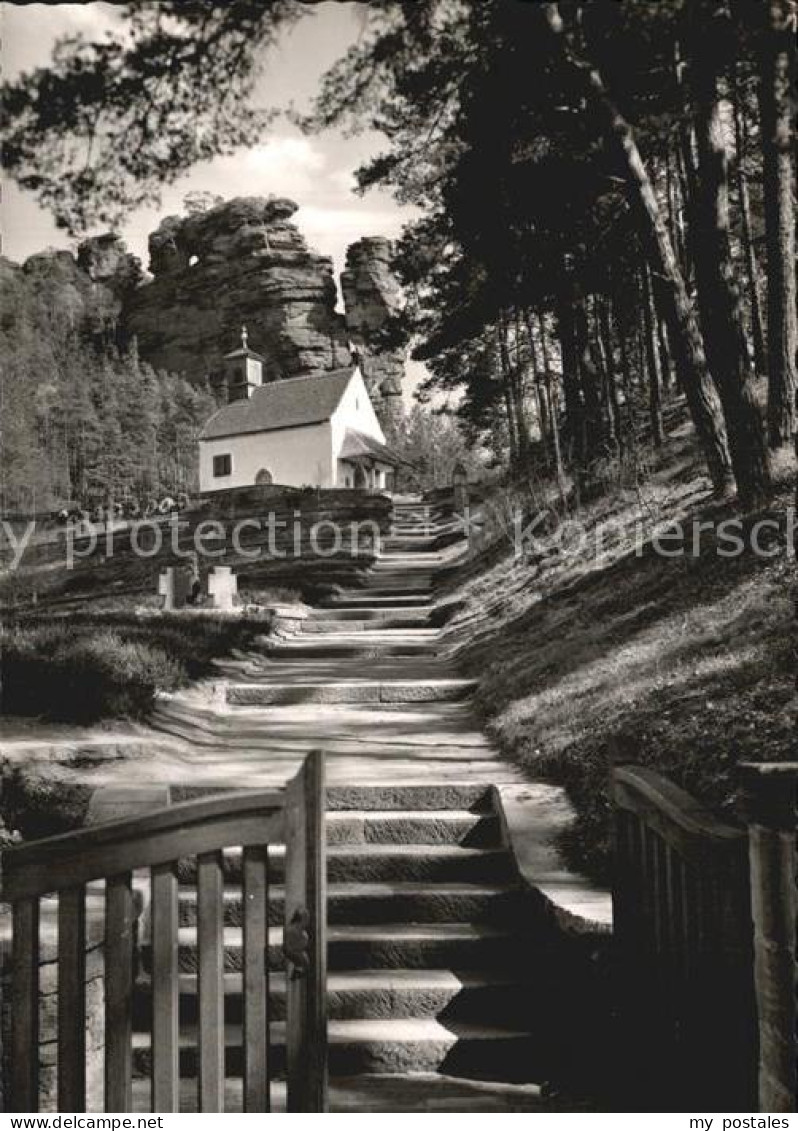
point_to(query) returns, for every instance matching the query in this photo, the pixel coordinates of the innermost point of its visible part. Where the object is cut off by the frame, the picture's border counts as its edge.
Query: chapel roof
(358, 445)
(291, 403)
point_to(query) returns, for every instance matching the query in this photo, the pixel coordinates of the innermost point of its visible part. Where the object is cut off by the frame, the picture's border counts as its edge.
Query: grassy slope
(683, 664)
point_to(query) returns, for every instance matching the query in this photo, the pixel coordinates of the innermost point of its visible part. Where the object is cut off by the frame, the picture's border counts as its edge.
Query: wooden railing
(682, 908)
(116, 853)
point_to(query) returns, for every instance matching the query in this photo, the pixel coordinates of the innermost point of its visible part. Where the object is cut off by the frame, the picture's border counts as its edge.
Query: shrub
(91, 666)
(39, 802)
(75, 677)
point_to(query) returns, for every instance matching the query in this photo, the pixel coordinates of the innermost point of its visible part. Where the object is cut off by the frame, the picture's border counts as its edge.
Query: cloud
(283, 159)
(31, 30)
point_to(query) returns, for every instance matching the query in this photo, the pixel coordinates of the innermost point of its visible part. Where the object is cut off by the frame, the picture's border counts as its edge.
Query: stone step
(389, 1046)
(402, 826)
(354, 691)
(373, 904)
(352, 669)
(418, 561)
(360, 994)
(370, 863)
(377, 587)
(434, 795)
(397, 615)
(438, 796)
(331, 647)
(373, 600)
(421, 576)
(410, 543)
(400, 626)
(371, 946)
(368, 1093)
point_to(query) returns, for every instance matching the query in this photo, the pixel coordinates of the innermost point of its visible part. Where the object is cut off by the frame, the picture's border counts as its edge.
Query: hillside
(680, 662)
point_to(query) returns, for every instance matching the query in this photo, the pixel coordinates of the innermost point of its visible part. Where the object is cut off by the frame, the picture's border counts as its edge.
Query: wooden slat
(165, 990)
(72, 1000)
(210, 943)
(25, 1007)
(119, 929)
(256, 980)
(115, 847)
(317, 903)
(306, 901)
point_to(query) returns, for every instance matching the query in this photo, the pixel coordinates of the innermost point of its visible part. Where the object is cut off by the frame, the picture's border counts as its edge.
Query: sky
(317, 172)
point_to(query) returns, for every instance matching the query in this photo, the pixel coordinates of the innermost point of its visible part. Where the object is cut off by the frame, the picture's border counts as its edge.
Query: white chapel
(319, 431)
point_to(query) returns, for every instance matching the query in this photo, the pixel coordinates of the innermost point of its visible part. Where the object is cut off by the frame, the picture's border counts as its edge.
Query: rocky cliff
(242, 261)
(373, 302)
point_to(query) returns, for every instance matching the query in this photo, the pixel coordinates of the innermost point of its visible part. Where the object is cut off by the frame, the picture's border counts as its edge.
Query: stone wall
(112, 568)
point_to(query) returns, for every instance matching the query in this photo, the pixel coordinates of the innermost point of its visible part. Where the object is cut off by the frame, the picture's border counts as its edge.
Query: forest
(608, 221)
(606, 201)
(84, 421)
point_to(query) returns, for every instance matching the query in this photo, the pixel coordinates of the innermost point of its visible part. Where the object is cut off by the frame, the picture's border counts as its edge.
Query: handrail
(677, 816)
(113, 847)
(683, 935)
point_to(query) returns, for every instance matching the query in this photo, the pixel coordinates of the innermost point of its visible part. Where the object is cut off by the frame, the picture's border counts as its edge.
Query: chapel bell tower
(243, 371)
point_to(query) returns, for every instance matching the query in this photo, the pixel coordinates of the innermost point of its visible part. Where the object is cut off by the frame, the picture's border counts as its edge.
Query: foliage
(38, 802)
(590, 118)
(433, 444)
(107, 667)
(98, 132)
(83, 421)
(56, 674)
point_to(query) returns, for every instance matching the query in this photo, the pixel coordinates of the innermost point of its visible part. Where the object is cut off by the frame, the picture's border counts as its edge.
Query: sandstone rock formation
(238, 262)
(106, 261)
(242, 261)
(373, 300)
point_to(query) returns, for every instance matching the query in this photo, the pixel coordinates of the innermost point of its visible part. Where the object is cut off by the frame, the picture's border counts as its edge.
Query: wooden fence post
(305, 937)
(772, 793)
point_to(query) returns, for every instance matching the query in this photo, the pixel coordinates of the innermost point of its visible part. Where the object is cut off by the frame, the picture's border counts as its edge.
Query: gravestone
(174, 585)
(222, 588)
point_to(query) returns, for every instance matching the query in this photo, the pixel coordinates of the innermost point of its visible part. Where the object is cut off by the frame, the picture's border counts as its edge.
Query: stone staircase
(429, 952)
(439, 961)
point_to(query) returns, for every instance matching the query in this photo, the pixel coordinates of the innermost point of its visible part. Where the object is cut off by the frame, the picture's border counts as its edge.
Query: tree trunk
(687, 346)
(664, 352)
(608, 360)
(719, 299)
(517, 452)
(540, 390)
(559, 466)
(626, 380)
(652, 359)
(751, 266)
(591, 377)
(776, 95)
(574, 410)
(675, 205)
